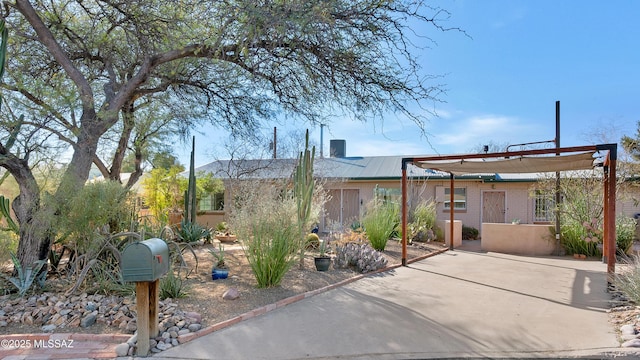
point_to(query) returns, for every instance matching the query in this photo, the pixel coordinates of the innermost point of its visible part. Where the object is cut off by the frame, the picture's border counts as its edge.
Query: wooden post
(611, 226)
(451, 211)
(404, 214)
(154, 302)
(142, 306)
(147, 305)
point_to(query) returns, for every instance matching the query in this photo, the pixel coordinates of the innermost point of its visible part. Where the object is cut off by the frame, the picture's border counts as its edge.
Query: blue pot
(219, 273)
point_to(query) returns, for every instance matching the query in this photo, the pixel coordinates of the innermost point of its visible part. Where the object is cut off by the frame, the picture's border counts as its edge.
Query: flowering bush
(362, 257)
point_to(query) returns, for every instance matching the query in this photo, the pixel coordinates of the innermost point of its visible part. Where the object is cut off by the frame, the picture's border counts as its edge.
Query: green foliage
(172, 286)
(580, 211)
(219, 257)
(222, 227)
(576, 238)
(95, 210)
(25, 277)
(469, 232)
(628, 279)
(8, 245)
(424, 221)
(271, 251)
(380, 221)
(192, 231)
(163, 191)
(265, 220)
(632, 144)
(5, 212)
(625, 233)
(107, 279)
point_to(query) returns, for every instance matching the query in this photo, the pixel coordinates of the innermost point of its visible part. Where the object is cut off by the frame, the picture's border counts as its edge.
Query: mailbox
(145, 260)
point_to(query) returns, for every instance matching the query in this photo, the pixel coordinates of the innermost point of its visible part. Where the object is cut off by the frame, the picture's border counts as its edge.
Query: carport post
(605, 211)
(404, 212)
(451, 206)
(611, 225)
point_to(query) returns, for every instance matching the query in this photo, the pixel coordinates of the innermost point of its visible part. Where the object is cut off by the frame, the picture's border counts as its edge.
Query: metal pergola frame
(609, 199)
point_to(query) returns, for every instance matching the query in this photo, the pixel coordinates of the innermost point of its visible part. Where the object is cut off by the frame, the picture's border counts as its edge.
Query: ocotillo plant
(190, 193)
(303, 188)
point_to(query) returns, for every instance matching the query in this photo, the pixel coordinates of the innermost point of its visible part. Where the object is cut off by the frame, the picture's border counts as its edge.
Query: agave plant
(25, 277)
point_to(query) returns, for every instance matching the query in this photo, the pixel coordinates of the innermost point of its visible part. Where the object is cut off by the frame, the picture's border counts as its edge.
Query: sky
(503, 78)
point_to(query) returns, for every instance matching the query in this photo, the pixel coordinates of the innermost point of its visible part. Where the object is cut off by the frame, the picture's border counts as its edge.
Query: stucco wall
(445, 226)
(522, 239)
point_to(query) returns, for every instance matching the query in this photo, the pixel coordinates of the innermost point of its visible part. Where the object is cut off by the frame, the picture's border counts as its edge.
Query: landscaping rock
(51, 312)
(122, 349)
(231, 294)
(628, 329)
(88, 320)
(631, 343)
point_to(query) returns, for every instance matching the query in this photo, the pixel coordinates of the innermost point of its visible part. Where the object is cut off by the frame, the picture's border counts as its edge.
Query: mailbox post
(144, 262)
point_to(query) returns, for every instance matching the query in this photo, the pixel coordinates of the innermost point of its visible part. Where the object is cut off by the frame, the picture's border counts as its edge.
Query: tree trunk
(32, 246)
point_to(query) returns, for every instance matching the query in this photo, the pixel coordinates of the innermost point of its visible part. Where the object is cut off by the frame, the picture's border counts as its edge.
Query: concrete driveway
(456, 304)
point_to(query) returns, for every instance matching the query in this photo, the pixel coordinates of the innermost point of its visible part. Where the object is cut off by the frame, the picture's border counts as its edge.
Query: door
(342, 209)
(493, 207)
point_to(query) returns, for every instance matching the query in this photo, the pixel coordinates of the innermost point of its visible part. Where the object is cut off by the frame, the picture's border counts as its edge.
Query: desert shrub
(362, 257)
(469, 232)
(628, 279)
(8, 244)
(265, 219)
(625, 232)
(576, 238)
(95, 210)
(172, 286)
(380, 222)
(107, 279)
(421, 228)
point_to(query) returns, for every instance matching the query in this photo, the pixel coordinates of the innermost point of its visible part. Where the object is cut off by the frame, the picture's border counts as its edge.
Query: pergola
(526, 161)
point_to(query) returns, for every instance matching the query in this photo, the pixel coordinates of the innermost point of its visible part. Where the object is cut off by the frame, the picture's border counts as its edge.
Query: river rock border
(53, 312)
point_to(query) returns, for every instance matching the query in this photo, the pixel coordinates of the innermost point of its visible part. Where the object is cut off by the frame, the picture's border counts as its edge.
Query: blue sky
(503, 80)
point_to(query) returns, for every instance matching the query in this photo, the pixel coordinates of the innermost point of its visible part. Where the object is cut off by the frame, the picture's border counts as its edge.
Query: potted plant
(223, 234)
(220, 269)
(322, 261)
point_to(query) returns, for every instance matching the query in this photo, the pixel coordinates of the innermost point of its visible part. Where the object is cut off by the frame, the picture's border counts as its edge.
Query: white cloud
(462, 134)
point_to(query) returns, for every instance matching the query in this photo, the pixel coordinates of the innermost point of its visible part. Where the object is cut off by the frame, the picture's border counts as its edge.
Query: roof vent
(338, 148)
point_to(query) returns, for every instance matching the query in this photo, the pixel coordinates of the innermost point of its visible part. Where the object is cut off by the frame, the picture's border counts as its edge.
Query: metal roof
(352, 168)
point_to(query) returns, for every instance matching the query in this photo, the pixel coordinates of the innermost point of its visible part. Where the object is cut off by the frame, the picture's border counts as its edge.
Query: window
(212, 202)
(392, 195)
(459, 198)
(544, 207)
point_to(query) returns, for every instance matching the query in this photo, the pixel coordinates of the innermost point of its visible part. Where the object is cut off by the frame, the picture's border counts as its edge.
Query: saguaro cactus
(190, 193)
(303, 189)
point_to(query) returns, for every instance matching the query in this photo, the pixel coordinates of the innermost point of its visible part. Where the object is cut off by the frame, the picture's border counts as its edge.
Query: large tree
(107, 77)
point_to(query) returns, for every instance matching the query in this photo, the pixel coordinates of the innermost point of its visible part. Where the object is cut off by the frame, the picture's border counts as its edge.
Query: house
(354, 181)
